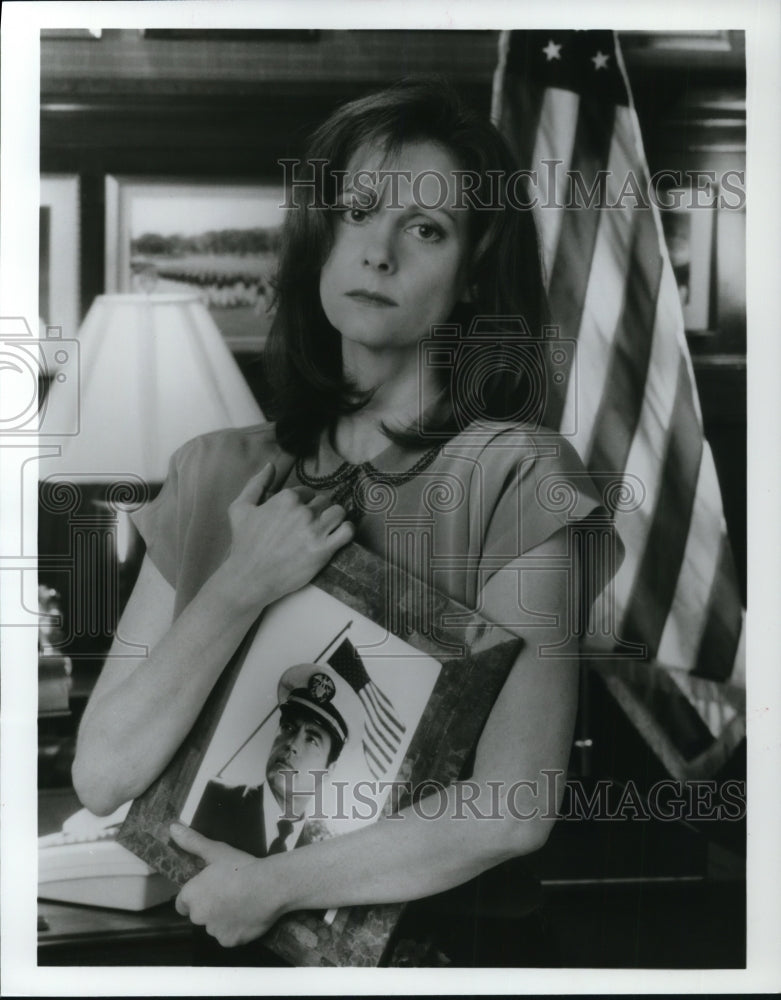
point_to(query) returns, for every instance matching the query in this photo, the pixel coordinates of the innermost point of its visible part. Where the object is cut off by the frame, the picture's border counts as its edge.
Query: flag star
(600, 60)
(552, 50)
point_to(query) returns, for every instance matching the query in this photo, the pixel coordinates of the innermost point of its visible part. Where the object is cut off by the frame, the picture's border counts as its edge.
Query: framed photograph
(402, 717)
(689, 233)
(58, 253)
(220, 238)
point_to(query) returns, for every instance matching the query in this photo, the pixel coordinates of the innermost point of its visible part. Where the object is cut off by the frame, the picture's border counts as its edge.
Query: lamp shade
(153, 371)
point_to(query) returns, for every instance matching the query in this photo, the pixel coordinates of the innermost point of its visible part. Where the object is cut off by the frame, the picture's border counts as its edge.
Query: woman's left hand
(222, 897)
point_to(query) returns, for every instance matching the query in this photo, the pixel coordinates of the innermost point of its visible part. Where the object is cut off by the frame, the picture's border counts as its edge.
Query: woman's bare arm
(142, 709)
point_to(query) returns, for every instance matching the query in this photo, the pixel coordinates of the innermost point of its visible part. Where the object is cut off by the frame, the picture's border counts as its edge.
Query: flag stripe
(377, 723)
(722, 635)
(386, 751)
(716, 712)
(620, 410)
(371, 735)
(579, 227)
(379, 693)
(655, 704)
(551, 158)
(380, 745)
(593, 137)
(387, 719)
(738, 675)
(601, 310)
(655, 586)
(374, 765)
(643, 463)
(377, 735)
(686, 621)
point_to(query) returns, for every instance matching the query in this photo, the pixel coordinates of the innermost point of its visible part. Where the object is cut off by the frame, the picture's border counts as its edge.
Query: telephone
(83, 863)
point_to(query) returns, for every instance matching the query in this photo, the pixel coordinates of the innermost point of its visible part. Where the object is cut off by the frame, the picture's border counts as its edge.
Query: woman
(385, 244)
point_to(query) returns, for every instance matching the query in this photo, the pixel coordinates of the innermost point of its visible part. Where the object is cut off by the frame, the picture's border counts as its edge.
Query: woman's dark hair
(303, 355)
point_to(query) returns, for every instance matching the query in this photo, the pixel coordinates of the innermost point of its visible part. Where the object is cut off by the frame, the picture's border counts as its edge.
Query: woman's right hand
(280, 544)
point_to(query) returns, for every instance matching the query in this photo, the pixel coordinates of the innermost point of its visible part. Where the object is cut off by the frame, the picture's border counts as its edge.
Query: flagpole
(251, 735)
(335, 638)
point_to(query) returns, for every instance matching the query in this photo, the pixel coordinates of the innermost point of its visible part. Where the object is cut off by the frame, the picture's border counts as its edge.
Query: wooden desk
(90, 935)
(71, 934)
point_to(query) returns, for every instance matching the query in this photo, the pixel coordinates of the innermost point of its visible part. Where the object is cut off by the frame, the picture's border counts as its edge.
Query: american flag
(562, 100)
(383, 730)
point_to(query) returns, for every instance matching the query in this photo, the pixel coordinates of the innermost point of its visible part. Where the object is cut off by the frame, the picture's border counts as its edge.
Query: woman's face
(399, 266)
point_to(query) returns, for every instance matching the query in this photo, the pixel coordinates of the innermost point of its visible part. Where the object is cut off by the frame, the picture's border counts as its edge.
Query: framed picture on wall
(220, 238)
(689, 230)
(58, 253)
(399, 718)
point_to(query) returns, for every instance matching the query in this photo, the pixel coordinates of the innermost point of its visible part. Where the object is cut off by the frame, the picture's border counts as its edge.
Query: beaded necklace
(362, 489)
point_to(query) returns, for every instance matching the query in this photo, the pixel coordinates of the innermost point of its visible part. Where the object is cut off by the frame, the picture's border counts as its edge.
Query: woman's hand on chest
(279, 543)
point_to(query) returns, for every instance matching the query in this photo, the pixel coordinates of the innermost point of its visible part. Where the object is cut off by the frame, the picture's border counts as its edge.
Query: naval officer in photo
(317, 713)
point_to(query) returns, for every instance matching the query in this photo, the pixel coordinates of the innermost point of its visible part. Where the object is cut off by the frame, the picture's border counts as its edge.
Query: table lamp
(153, 372)
(147, 373)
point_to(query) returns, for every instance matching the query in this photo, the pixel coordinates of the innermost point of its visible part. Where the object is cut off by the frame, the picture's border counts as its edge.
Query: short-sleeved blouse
(452, 514)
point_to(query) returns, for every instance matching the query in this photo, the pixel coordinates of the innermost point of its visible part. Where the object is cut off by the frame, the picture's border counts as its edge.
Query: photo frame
(688, 221)
(471, 658)
(58, 253)
(219, 237)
